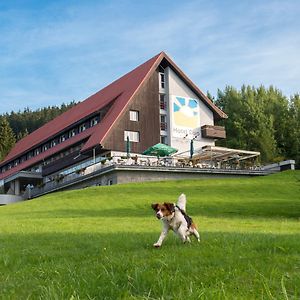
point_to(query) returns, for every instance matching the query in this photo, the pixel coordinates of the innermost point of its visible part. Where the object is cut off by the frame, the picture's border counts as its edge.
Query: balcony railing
(163, 105)
(163, 126)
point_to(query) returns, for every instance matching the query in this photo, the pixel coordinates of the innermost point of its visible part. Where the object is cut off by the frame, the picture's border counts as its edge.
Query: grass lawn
(96, 243)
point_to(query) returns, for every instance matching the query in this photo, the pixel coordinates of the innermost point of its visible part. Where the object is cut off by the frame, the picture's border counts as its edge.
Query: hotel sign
(185, 117)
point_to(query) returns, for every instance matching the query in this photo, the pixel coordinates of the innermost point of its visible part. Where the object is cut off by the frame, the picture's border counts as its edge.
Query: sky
(54, 52)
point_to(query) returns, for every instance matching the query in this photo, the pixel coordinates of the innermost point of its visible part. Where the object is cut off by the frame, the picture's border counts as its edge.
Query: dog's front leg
(162, 236)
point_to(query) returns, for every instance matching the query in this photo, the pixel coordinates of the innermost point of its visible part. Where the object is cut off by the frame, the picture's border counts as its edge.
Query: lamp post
(192, 147)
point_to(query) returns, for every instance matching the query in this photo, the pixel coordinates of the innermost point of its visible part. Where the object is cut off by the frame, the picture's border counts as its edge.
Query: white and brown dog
(174, 217)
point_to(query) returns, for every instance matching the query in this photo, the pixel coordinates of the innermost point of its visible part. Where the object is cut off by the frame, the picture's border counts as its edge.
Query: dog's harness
(187, 218)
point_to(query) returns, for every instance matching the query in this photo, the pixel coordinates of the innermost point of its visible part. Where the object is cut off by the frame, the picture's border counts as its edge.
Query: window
(162, 102)
(72, 133)
(62, 138)
(94, 122)
(53, 143)
(163, 122)
(162, 80)
(82, 128)
(37, 151)
(134, 136)
(134, 115)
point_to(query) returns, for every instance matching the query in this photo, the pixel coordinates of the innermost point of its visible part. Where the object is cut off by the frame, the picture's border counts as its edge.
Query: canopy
(222, 154)
(160, 150)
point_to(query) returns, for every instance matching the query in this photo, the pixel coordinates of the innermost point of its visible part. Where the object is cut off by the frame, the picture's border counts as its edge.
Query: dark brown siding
(146, 102)
(215, 132)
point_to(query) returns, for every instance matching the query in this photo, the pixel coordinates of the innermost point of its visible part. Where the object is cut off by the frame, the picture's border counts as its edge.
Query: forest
(259, 119)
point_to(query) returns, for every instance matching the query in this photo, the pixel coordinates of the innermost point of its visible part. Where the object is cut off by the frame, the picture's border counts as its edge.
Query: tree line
(259, 119)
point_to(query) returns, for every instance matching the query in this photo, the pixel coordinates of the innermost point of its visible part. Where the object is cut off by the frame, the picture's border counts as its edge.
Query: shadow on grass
(92, 243)
(277, 209)
(125, 262)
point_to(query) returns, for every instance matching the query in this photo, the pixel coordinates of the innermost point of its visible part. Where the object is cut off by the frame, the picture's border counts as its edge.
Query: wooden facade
(146, 102)
(215, 132)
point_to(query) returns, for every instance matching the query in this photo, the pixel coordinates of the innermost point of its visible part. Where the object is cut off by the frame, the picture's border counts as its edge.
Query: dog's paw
(156, 245)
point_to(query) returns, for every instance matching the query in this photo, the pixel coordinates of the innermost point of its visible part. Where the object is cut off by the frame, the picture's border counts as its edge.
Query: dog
(174, 217)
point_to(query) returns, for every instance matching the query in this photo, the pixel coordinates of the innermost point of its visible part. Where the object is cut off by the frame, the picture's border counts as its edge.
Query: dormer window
(62, 138)
(94, 122)
(37, 151)
(82, 128)
(72, 132)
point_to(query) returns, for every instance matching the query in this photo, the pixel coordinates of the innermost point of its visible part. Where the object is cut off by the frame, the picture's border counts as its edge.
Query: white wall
(177, 88)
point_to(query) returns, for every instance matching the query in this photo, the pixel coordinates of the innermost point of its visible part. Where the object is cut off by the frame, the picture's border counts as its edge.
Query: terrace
(117, 168)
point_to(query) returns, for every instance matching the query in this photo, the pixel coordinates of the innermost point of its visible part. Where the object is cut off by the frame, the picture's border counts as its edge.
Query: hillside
(96, 243)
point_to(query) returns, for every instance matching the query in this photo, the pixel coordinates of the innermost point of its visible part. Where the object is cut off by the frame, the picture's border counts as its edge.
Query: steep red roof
(75, 139)
(122, 90)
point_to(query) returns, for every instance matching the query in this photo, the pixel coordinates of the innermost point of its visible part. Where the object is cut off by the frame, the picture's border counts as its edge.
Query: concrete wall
(7, 199)
(142, 176)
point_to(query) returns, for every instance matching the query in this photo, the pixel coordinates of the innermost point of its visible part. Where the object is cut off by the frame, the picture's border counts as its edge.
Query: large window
(134, 136)
(134, 115)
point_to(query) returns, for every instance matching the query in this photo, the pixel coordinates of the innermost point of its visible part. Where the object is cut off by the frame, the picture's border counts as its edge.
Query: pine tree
(7, 138)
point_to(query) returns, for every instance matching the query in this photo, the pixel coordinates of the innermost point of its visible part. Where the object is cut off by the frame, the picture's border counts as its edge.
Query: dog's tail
(181, 203)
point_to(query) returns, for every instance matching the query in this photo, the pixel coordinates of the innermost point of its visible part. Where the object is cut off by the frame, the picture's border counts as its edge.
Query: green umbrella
(160, 150)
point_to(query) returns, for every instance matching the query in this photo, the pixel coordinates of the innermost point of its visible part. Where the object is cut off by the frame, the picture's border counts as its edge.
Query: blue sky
(58, 51)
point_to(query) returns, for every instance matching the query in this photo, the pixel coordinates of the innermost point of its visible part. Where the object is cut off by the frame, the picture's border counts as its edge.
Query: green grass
(96, 243)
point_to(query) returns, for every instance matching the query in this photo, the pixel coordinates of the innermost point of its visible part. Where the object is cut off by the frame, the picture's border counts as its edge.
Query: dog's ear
(169, 206)
(154, 205)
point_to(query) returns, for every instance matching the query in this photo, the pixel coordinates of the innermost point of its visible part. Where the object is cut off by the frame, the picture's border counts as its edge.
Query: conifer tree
(7, 137)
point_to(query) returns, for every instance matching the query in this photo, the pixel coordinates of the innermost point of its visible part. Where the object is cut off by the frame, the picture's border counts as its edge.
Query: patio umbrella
(160, 150)
(191, 149)
(128, 147)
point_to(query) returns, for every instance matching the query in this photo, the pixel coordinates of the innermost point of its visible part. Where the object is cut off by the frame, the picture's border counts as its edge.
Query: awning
(222, 154)
(217, 154)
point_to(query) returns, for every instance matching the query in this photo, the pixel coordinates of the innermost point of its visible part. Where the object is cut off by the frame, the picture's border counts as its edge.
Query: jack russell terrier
(174, 217)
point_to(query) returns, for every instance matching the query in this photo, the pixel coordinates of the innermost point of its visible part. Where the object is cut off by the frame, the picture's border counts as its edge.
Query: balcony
(163, 126)
(163, 105)
(213, 132)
